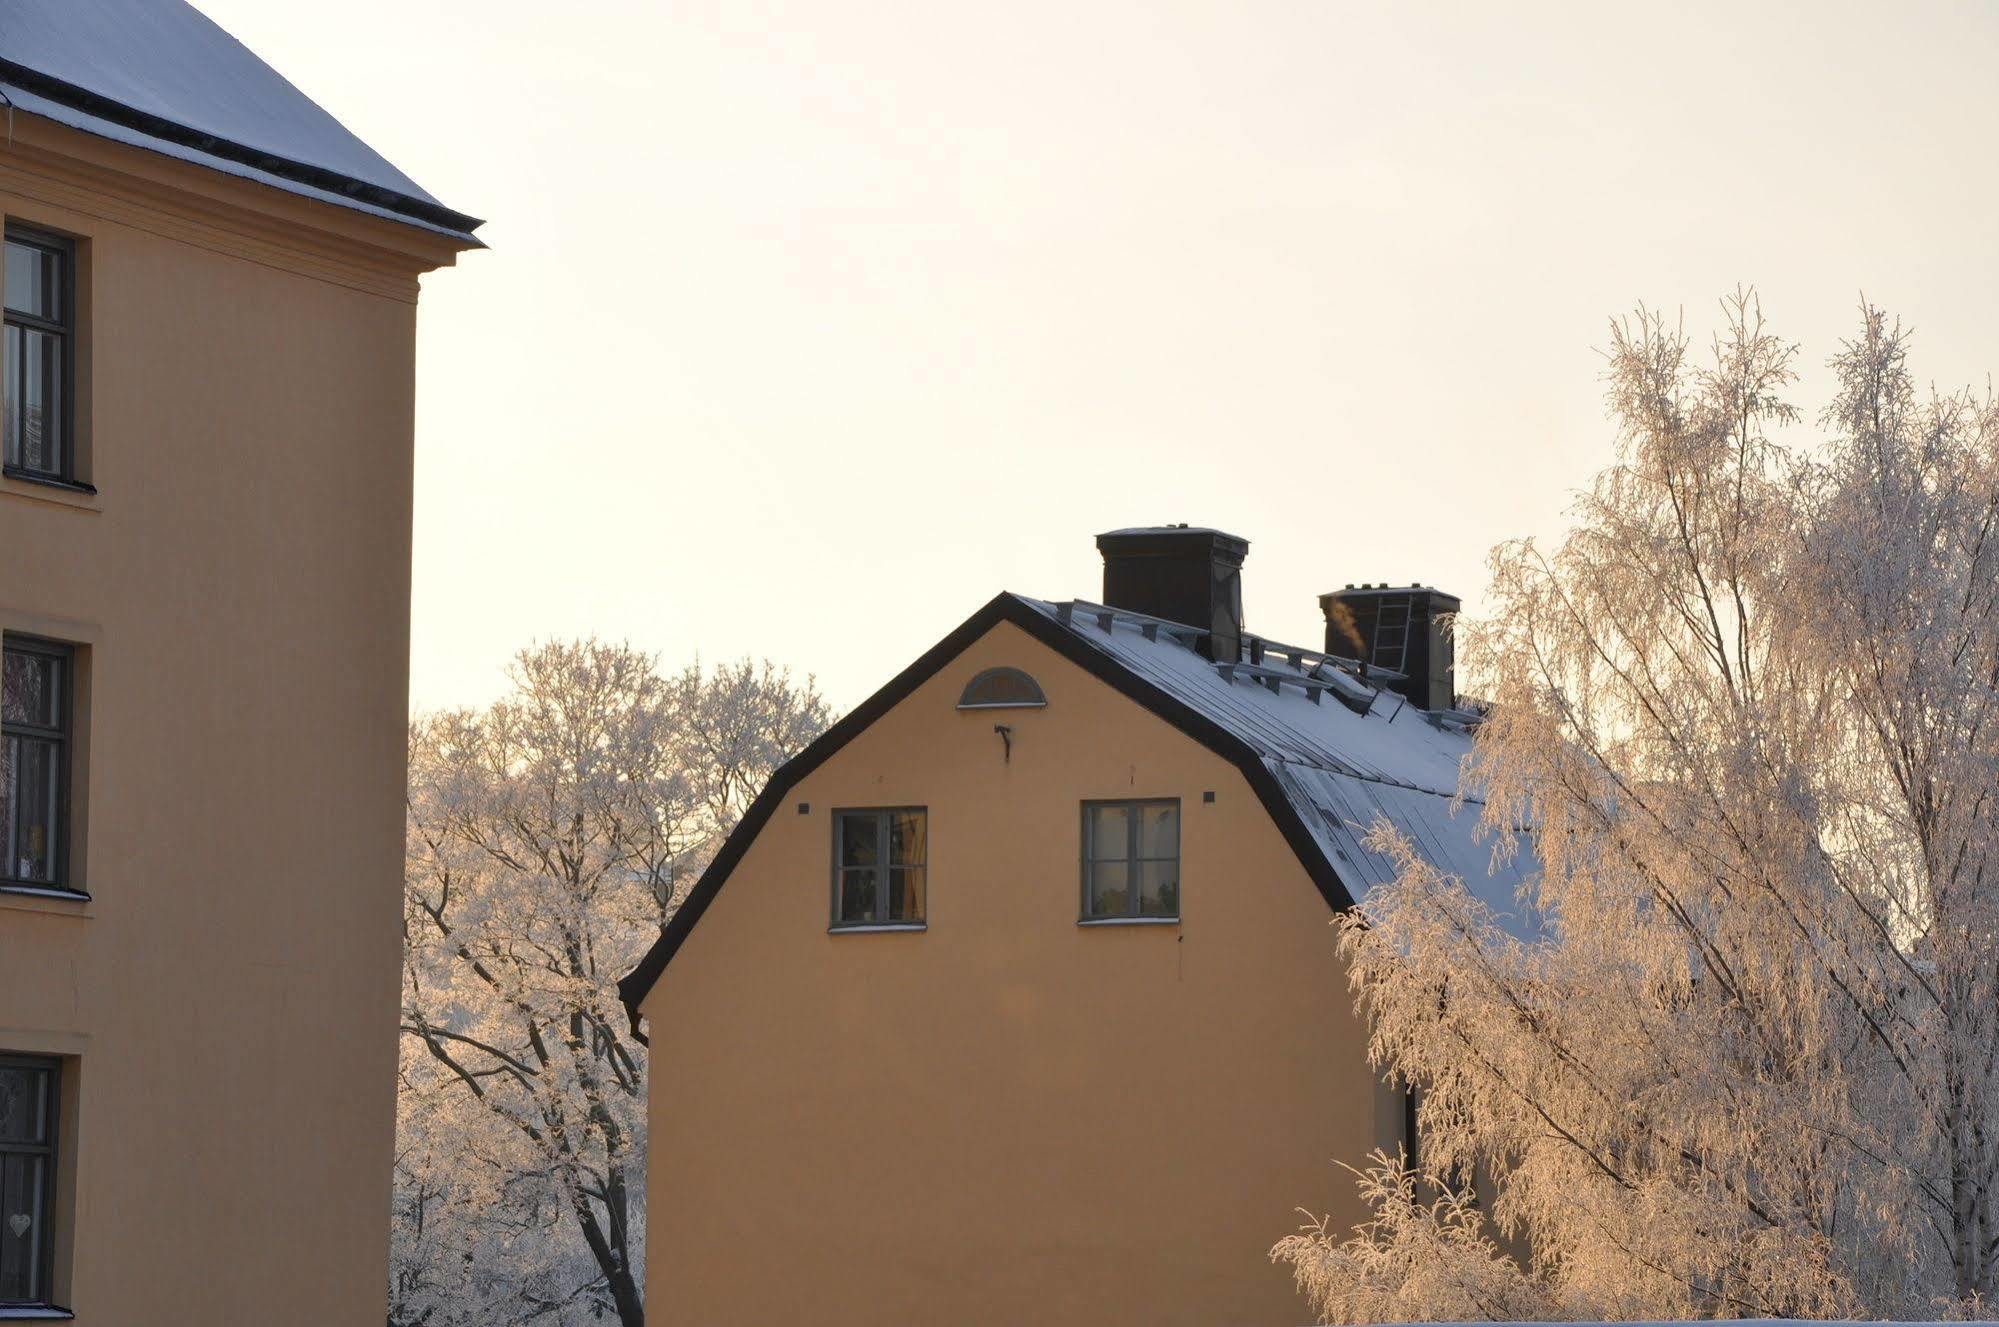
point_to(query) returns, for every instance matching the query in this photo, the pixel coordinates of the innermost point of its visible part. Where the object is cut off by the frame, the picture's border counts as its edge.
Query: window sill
(55, 492)
(877, 930)
(1127, 921)
(34, 1313)
(43, 898)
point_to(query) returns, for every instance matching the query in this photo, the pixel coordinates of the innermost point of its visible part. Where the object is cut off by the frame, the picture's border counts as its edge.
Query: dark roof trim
(638, 983)
(299, 172)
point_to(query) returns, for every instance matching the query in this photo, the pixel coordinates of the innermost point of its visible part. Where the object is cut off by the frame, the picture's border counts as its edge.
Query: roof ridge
(1271, 645)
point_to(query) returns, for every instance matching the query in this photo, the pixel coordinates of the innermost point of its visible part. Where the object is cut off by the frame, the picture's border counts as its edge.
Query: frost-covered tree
(550, 837)
(1749, 709)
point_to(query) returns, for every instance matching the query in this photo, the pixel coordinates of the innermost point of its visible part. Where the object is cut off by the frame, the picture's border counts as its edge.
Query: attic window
(1002, 689)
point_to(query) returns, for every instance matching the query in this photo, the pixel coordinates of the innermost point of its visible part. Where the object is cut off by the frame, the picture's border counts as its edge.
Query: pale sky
(806, 328)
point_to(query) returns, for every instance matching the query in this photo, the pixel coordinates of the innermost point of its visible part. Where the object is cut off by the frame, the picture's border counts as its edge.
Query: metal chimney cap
(1173, 541)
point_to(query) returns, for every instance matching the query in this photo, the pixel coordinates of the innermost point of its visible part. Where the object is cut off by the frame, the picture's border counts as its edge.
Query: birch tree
(550, 837)
(1749, 710)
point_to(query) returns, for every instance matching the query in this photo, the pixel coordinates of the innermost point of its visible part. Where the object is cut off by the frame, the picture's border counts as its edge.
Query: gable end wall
(1007, 1117)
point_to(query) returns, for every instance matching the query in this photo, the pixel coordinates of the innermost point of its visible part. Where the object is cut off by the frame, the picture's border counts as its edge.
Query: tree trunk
(614, 1260)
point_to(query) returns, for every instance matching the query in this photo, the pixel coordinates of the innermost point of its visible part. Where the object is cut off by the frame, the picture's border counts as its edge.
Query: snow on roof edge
(29, 102)
(170, 79)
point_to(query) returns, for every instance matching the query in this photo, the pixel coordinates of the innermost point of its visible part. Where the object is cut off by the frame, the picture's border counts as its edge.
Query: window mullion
(16, 371)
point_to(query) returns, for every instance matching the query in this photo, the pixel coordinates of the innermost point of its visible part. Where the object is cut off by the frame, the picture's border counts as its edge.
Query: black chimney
(1187, 575)
(1403, 628)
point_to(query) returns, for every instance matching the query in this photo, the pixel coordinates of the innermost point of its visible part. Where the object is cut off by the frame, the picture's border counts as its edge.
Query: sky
(806, 328)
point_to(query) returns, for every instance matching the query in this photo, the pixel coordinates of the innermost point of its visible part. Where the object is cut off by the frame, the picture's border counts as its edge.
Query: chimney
(1402, 628)
(1183, 574)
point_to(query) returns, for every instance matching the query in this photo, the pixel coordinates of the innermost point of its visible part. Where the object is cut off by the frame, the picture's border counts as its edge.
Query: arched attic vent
(1002, 689)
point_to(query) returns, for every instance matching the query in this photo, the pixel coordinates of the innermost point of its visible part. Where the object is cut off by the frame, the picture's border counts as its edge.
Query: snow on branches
(550, 837)
(1750, 706)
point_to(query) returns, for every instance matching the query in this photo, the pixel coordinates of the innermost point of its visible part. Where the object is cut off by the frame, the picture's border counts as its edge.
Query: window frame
(879, 921)
(1132, 860)
(50, 1149)
(64, 249)
(63, 739)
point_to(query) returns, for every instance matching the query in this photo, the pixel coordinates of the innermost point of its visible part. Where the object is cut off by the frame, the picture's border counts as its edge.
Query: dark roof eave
(638, 983)
(299, 172)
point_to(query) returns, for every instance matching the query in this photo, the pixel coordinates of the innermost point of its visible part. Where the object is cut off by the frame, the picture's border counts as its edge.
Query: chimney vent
(1184, 574)
(1404, 629)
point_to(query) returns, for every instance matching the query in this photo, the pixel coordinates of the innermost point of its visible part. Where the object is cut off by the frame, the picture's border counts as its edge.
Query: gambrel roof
(1326, 753)
(158, 74)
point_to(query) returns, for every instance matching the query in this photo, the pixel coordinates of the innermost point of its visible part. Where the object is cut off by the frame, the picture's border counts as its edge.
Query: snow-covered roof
(159, 74)
(1345, 753)
(1326, 752)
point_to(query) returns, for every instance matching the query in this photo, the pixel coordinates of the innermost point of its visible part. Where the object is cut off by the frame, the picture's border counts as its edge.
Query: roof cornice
(284, 168)
(73, 171)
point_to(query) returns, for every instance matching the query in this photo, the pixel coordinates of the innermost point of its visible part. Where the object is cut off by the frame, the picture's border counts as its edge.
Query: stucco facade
(1006, 1117)
(236, 594)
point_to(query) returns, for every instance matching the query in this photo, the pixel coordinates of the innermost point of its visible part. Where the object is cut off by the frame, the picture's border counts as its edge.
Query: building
(210, 294)
(1013, 999)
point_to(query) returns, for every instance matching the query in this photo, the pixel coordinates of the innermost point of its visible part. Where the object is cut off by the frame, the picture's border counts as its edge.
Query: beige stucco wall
(240, 588)
(1007, 1118)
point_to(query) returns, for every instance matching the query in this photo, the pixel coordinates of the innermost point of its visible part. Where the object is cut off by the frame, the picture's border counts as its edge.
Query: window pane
(1109, 835)
(859, 841)
(905, 838)
(33, 281)
(53, 405)
(1159, 830)
(1110, 889)
(10, 756)
(10, 387)
(20, 277)
(859, 890)
(41, 402)
(1159, 889)
(905, 894)
(24, 1109)
(30, 689)
(31, 767)
(21, 1212)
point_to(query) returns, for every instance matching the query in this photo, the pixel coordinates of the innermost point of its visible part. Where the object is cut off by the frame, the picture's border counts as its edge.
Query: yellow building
(1013, 998)
(210, 295)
